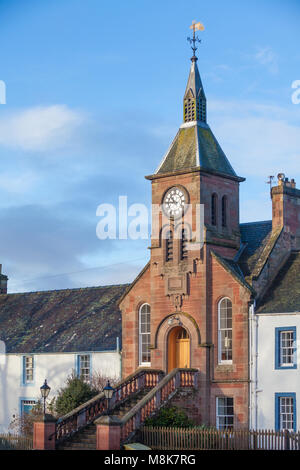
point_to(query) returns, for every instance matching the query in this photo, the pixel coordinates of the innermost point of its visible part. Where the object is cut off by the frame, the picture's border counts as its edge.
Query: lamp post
(108, 392)
(45, 390)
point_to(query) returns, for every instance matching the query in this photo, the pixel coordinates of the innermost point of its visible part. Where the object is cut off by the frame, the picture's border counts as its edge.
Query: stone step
(86, 438)
(76, 444)
(79, 447)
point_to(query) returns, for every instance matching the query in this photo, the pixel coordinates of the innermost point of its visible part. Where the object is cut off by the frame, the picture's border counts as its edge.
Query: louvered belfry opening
(183, 244)
(214, 203)
(201, 110)
(169, 246)
(224, 211)
(189, 110)
(194, 109)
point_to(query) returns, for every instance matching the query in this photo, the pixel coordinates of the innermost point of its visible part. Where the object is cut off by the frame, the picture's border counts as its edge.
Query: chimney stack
(286, 206)
(3, 282)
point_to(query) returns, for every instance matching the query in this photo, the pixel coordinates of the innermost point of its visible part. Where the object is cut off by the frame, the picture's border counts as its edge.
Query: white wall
(53, 367)
(269, 379)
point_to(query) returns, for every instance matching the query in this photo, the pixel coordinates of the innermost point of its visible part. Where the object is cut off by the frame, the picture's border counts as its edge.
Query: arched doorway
(178, 348)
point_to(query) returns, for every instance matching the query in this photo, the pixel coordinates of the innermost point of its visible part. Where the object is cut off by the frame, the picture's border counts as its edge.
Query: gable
(283, 295)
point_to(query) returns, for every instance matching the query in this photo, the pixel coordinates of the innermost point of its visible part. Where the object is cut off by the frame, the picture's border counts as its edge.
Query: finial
(195, 27)
(270, 182)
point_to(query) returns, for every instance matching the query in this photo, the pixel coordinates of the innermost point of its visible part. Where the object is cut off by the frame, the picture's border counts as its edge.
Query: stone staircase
(136, 398)
(82, 440)
(85, 439)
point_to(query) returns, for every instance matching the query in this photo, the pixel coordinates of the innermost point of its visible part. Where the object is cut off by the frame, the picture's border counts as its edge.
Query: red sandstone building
(189, 308)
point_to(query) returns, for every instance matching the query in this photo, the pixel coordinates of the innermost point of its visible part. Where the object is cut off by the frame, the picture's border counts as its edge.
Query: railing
(212, 439)
(15, 442)
(155, 399)
(92, 409)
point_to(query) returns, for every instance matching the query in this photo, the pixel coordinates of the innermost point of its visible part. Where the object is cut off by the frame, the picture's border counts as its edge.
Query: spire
(194, 101)
(195, 146)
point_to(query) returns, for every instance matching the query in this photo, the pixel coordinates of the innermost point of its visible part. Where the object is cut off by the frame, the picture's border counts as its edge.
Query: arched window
(225, 331)
(224, 211)
(144, 335)
(183, 244)
(169, 245)
(214, 205)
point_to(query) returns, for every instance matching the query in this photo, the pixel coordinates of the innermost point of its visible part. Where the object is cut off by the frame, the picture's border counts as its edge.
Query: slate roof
(257, 241)
(234, 269)
(283, 296)
(195, 147)
(255, 236)
(66, 320)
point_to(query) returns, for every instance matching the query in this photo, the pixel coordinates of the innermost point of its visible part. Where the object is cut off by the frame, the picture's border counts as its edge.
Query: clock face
(174, 201)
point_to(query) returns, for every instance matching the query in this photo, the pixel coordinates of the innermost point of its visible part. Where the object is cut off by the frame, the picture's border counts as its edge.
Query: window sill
(225, 367)
(289, 367)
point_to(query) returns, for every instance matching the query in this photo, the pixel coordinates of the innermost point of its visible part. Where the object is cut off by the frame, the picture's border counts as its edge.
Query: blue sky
(94, 98)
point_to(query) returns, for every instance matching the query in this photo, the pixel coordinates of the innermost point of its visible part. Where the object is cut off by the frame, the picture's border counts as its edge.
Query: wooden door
(178, 349)
(183, 353)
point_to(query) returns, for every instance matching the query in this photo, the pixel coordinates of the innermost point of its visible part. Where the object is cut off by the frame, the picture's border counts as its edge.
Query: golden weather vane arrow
(195, 27)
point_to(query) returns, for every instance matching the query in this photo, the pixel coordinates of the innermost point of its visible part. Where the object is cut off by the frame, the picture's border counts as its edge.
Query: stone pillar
(108, 432)
(44, 433)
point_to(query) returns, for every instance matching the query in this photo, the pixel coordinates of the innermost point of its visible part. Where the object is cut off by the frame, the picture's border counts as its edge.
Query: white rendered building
(275, 360)
(49, 335)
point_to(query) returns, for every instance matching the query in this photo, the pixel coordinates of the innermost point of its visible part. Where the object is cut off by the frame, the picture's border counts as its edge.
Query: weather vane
(270, 182)
(195, 27)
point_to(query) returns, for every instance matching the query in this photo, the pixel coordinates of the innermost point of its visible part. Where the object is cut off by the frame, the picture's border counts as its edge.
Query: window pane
(27, 406)
(225, 330)
(29, 368)
(144, 333)
(286, 405)
(287, 347)
(84, 367)
(225, 413)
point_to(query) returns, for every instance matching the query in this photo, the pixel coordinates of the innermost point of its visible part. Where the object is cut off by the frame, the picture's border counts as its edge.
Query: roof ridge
(67, 289)
(258, 222)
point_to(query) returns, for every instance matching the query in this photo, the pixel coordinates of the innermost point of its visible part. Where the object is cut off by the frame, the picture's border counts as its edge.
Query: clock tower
(198, 191)
(173, 313)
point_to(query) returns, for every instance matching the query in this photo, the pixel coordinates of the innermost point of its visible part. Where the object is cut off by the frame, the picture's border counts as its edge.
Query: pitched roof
(283, 295)
(195, 146)
(255, 236)
(66, 320)
(233, 268)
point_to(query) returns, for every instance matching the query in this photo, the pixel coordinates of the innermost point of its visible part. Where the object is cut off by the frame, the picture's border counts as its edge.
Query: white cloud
(18, 183)
(40, 128)
(267, 57)
(258, 139)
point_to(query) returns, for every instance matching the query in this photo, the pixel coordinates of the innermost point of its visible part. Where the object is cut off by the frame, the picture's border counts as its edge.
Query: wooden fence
(15, 442)
(212, 439)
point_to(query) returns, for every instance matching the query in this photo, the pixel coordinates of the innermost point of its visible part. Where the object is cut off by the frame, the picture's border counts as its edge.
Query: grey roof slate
(195, 146)
(254, 235)
(62, 320)
(283, 295)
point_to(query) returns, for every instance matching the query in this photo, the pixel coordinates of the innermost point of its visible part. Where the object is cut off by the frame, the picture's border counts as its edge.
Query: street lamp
(45, 390)
(108, 392)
